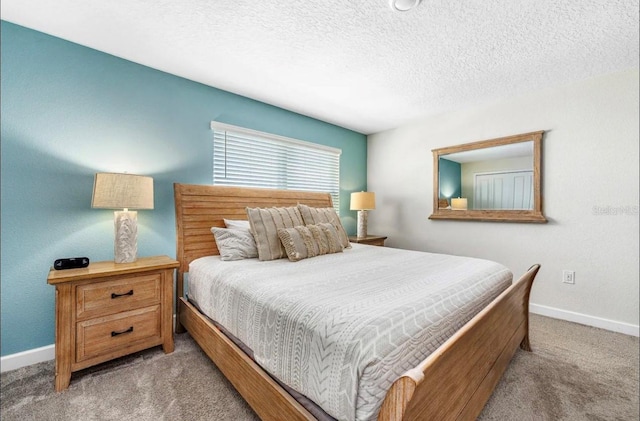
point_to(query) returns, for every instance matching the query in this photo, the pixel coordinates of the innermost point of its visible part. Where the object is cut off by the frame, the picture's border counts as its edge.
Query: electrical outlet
(568, 277)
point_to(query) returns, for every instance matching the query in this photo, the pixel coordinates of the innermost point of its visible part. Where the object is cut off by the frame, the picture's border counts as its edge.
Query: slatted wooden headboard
(200, 207)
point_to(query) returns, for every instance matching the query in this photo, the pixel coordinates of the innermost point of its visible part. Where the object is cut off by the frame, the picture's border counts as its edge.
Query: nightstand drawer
(124, 293)
(106, 335)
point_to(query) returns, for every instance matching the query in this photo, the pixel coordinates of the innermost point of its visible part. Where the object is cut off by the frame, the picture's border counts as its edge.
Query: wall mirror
(491, 180)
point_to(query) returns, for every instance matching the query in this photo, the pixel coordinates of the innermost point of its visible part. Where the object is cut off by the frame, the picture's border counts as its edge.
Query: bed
(452, 382)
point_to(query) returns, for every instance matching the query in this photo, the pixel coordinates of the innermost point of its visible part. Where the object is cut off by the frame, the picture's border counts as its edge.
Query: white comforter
(341, 328)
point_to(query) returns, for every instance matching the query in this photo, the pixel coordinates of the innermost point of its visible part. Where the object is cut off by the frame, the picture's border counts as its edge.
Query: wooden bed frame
(453, 383)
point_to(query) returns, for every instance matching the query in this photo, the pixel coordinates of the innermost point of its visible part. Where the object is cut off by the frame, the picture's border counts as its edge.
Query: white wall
(590, 195)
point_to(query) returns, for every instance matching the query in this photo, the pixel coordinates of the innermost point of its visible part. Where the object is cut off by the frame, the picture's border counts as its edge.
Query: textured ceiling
(355, 63)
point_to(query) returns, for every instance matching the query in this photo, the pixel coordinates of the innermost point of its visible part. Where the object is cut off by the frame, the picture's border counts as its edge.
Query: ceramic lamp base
(362, 224)
(126, 239)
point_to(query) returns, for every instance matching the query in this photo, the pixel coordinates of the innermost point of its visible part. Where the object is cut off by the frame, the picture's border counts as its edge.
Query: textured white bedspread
(341, 328)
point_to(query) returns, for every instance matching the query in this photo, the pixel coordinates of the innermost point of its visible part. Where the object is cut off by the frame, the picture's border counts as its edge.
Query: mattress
(341, 328)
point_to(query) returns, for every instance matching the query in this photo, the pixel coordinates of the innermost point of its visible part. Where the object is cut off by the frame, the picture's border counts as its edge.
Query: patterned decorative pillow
(235, 244)
(264, 226)
(314, 216)
(302, 242)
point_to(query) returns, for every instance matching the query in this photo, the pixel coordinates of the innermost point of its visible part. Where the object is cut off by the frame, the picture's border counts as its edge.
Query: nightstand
(108, 310)
(372, 240)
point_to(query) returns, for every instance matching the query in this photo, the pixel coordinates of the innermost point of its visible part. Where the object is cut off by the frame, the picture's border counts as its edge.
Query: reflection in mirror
(499, 177)
(492, 180)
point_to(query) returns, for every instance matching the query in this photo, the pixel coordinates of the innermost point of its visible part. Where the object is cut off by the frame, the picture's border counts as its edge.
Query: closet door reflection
(503, 190)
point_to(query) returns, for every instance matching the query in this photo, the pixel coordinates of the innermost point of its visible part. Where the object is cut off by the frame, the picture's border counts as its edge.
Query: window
(243, 157)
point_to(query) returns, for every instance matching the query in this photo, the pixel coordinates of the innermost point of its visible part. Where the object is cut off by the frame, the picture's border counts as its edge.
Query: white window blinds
(243, 157)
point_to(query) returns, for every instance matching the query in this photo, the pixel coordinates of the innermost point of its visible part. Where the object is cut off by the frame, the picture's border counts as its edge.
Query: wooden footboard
(455, 381)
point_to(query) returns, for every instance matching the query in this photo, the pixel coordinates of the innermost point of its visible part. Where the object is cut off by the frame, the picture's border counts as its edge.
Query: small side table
(372, 240)
(108, 310)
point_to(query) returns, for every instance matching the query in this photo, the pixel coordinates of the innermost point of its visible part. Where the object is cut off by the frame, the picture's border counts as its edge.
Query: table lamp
(123, 191)
(363, 202)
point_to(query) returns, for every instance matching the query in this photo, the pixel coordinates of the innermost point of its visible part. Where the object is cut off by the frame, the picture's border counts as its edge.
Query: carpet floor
(575, 372)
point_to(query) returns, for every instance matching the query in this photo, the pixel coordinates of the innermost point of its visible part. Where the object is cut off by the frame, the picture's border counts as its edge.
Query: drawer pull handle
(114, 295)
(114, 333)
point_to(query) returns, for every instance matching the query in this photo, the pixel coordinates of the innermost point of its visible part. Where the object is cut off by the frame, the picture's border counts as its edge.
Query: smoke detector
(403, 5)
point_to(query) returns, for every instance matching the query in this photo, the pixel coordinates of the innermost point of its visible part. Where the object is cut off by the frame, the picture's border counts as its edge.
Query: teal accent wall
(69, 112)
(450, 177)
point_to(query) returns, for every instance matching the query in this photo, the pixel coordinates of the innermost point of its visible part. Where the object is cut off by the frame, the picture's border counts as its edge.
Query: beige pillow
(264, 226)
(314, 216)
(302, 242)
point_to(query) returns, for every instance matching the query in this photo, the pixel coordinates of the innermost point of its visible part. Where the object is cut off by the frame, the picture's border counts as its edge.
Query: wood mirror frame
(497, 215)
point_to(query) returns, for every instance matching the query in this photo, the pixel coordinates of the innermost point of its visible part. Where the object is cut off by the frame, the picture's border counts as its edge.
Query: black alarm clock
(71, 263)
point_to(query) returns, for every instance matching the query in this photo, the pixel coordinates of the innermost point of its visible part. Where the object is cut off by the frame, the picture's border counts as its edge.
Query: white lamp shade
(120, 191)
(363, 201)
(459, 203)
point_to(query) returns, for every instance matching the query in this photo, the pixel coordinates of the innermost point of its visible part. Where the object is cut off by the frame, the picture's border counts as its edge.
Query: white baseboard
(583, 319)
(29, 357)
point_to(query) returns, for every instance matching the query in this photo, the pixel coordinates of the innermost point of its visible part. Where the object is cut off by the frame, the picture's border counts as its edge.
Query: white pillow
(238, 224)
(235, 244)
